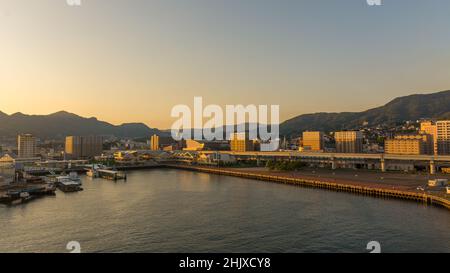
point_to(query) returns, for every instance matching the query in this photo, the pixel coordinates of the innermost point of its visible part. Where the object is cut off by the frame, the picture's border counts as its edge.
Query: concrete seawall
(316, 183)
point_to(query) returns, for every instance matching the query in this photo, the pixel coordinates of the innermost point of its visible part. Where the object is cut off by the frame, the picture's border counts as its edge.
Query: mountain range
(61, 124)
(413, 107)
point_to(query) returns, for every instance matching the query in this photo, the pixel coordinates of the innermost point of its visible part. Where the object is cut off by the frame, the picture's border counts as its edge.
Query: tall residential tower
(84, 147)
(26, 144)
(349, 142)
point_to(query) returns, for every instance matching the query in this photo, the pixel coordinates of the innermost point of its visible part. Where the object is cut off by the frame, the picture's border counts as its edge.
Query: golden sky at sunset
(132, 61)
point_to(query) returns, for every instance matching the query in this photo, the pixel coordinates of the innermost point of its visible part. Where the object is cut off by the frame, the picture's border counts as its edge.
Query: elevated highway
(335, 159)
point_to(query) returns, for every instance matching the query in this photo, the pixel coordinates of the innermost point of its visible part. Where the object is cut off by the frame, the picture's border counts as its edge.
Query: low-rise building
(126, 156)
(240, 142)
(203, 145)
(7, 171)
(312, 141)
(437, 182)
(215, 159)
(421, 144)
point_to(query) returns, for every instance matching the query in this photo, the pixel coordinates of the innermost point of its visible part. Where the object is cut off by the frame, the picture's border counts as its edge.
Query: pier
(24, 192)
(111, 175)
(370, 190)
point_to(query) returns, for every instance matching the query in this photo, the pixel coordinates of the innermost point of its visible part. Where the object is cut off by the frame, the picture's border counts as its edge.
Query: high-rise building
(428, 127)
(240, 142)
(313, 141)
(443, 137)
(26, 145)
(154, 143)
(349, 141)
(440, 132)
(410, 145)
(159, 143)
(83, 147)
(73, 146)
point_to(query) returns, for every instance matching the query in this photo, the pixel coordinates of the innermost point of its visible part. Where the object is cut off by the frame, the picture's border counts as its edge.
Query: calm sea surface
(181, 211)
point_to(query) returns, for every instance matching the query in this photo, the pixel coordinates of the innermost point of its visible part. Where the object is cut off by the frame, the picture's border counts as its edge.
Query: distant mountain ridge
(413, 107)
(61, 124)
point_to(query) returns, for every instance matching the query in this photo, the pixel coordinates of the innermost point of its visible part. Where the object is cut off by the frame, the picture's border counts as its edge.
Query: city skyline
(146, 57)
(201, 128)
(281, 122)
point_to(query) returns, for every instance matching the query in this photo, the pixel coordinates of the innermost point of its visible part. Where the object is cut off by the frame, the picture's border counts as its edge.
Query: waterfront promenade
(388, 185)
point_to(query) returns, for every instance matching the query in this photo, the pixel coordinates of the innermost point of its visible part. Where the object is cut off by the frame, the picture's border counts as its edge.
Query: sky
(132, 61)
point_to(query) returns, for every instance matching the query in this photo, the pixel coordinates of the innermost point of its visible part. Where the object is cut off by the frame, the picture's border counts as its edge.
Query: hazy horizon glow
(132, 61)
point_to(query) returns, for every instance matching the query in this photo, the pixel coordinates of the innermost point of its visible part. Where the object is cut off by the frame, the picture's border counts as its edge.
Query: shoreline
(354, 187)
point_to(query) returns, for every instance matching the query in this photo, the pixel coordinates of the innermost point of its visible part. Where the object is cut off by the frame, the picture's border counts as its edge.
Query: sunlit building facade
(154, 143)
(312, 141)
(443, 137)
(421, 144)
(83, 147)
(428, 127)
(240, 142)
(349, 141)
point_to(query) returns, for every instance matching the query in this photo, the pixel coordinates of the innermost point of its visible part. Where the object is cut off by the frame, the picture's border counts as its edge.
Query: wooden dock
(358, 189)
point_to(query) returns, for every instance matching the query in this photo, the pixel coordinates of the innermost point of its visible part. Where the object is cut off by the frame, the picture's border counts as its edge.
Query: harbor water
(165, 210)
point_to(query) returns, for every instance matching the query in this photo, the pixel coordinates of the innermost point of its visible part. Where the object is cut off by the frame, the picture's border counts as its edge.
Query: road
(404, 181)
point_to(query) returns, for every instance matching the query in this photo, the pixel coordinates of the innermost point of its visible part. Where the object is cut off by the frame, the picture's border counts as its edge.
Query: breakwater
(317, 183)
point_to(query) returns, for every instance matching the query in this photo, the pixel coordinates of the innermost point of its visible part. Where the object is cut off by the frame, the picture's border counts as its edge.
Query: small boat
(16, 202)
(53, 178)
(8, 199)
(25, 196)
(17, 198)
(69, 186)
(73, 176)
(92, 173)
(32, 179)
